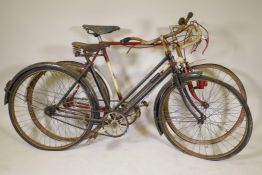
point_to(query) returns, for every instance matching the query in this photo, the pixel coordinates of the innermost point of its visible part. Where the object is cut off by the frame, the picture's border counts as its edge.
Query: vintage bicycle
(54, 106)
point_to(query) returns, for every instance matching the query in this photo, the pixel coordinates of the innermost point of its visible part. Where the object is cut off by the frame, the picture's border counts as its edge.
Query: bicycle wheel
(77, 67)
(224, 133)
(67, 121)
(222, 73)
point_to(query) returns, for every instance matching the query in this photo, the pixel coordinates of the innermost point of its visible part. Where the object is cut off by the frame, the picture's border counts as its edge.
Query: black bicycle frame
(150, 85)
(144, 91)
(153, 82)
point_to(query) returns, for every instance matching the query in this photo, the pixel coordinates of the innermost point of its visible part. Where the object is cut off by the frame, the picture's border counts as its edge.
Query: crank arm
(99, 130)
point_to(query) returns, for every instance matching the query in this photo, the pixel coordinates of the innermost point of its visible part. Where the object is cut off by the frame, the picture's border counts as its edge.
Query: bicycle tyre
(187, 147)
(31, 134)
(77, 68)
(209, 69)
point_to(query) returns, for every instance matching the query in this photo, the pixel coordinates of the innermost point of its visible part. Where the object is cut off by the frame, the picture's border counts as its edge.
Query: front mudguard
(157, 111)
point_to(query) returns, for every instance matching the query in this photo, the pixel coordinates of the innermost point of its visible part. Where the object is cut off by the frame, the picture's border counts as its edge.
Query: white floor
(141, 151)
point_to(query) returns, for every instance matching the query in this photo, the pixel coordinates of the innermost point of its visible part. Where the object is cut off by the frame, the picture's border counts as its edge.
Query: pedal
(89, 141)
(144, 104)
(93, 134)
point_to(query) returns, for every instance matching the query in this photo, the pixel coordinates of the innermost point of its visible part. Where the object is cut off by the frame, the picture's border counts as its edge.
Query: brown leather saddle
(98, 30)
(90, 47)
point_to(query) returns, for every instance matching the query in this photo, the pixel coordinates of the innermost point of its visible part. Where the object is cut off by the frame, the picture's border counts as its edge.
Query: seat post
(99, 38)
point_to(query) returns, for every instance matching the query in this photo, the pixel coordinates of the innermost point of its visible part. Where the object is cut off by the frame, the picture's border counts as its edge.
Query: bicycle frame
(137, 97)
(145, 88)
(161, 75)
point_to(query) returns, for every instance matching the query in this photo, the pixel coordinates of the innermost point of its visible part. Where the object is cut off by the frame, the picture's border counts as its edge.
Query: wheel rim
(76, 67)
(203, 148)
(223, 74)
(27, 122)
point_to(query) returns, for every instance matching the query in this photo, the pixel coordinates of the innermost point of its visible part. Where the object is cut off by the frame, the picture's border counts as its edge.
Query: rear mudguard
(159, 97)
(96, 70)
(10, 84)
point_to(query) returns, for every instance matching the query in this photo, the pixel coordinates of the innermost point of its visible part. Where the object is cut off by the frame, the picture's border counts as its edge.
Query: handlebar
(182, 25)
(158, 40)
(193, 35)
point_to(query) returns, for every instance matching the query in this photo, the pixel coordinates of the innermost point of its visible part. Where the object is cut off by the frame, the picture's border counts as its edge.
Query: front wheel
(226, 129)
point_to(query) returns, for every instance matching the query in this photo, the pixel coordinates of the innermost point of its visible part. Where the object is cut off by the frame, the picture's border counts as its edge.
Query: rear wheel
(38, 121)
(226, 129)
(74, 66)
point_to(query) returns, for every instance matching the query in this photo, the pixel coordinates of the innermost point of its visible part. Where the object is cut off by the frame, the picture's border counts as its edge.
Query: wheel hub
(205, 105)
(50, 110)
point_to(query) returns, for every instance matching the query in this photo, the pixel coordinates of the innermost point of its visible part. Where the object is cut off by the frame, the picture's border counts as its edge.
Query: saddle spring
(78, 52)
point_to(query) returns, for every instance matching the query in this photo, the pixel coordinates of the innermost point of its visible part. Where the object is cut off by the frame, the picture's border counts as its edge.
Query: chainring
(115, 124)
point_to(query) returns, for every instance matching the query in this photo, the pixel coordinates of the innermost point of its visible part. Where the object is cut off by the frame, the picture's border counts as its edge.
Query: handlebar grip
(189, 15)
(184, 21)
(125, 40)
(181, 21)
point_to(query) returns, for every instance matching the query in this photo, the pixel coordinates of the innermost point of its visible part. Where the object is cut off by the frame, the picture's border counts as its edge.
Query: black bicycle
(54, 106)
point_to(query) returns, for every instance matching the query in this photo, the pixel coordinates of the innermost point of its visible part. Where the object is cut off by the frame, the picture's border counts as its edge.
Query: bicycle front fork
(187, 99)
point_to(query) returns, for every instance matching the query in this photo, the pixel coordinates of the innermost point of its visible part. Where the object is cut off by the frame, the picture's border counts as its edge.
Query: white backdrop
(34, 30)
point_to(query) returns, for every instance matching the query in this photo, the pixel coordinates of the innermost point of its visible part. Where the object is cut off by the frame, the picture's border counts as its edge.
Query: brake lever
(207, 42)
(205, 38)
(130, 49)
(195, 46)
